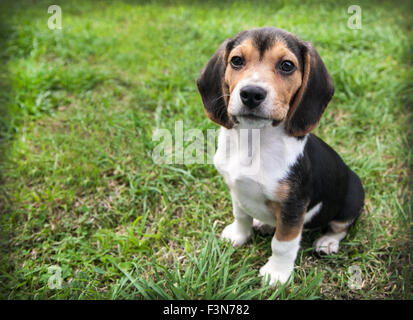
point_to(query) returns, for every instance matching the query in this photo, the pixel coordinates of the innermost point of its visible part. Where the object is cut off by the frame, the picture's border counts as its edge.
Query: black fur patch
(264, 39)
(320, 175)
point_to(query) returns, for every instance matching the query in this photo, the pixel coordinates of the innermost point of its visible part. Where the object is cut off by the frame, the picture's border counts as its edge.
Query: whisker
(224, 95)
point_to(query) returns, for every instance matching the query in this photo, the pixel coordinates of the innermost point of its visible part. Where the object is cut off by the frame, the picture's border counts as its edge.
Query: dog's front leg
(240, 230)
(285, 244)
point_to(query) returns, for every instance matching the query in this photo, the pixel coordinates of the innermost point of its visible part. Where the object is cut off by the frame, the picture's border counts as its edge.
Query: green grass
(79, 189)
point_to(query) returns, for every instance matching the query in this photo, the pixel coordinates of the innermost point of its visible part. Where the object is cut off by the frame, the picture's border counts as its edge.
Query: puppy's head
(266, 76)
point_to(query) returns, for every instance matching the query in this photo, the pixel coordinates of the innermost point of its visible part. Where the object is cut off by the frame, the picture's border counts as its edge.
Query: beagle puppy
(269, 83)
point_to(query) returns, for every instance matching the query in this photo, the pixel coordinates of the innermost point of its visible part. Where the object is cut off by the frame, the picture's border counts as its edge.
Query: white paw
(327, 244)
(235, 234)
(275, 272)
(262, 228)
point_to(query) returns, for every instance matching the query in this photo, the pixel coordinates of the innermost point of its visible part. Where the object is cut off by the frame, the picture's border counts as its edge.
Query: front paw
(275, 272)
(235, 234)
(262, 228)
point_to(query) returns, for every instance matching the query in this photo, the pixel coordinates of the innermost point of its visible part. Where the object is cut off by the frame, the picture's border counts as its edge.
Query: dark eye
(287, 66)
(237, 62)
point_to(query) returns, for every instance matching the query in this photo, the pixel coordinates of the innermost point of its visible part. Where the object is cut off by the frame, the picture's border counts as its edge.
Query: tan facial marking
(300, 93)
(285, 85)
(251, 55)
(266, 69)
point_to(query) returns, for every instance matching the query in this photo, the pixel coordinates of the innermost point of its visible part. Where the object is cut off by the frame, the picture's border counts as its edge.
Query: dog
(269, 81)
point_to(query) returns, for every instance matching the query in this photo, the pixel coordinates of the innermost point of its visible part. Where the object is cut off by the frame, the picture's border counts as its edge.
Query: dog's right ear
(214, 92)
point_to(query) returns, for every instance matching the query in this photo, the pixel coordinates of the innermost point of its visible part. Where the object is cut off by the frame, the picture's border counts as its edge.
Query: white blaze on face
(235, 105)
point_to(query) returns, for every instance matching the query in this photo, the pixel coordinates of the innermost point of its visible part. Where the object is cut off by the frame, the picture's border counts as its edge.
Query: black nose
(252, 96)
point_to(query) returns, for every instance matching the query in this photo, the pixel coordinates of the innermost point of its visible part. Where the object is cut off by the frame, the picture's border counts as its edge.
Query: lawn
(80, 193)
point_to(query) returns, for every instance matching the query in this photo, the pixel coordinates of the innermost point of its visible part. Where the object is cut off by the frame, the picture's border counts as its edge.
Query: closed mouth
(253, 117)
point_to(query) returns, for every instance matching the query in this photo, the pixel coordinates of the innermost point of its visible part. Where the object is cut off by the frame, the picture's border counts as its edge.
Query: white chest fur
(253, 162)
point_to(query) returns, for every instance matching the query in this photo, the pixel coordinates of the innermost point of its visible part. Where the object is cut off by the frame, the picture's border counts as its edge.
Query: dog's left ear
(211, 86)
(312, 98)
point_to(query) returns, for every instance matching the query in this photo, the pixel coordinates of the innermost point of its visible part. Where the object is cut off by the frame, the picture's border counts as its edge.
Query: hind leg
(262, 228)
(339, 226)
(329, 243)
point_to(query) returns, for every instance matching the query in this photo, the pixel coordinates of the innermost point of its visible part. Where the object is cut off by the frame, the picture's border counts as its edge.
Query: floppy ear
(312, 98)
(213, 90)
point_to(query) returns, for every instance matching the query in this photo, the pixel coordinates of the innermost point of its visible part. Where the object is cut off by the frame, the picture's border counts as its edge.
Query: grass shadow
(407, 203)
(8, 129)
(7, 123)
